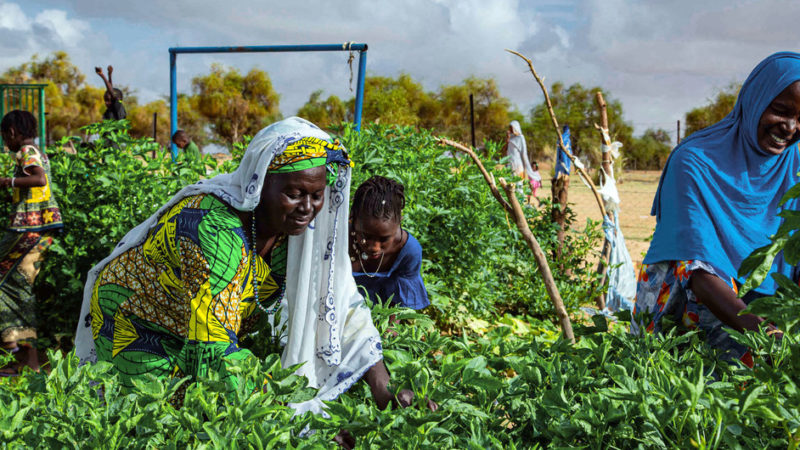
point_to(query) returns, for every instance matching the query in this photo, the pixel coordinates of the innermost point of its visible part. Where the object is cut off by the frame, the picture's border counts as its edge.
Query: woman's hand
(5, 182)
(345, 439)
(405, 398)
(98, 71)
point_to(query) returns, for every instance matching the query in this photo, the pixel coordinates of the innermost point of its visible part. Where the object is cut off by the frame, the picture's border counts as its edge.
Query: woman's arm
(377, 377)
(35, 178)
(722, 301)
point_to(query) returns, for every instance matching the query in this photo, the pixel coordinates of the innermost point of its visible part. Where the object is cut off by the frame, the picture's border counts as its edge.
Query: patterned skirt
(21, 255)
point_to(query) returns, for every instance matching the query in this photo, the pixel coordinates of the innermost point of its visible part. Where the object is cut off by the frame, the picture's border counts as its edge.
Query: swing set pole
(345, 47)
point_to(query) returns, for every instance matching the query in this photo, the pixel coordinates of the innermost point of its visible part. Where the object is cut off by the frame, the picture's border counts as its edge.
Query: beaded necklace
(253, 273)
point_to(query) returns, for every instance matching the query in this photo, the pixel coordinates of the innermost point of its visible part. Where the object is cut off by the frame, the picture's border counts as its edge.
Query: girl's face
(376, 235)
(12, 139)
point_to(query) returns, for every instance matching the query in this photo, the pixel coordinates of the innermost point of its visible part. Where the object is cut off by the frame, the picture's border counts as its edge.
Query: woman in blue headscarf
(717, 201)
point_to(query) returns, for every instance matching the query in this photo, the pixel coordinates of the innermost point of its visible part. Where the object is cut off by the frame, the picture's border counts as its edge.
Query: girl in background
(35, 218)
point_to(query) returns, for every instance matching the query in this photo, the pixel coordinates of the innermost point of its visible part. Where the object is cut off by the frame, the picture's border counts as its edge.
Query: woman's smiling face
(290, 201)
(779, 126)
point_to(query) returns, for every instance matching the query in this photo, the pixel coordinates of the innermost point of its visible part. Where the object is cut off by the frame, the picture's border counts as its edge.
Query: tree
(451, 115)
(650, 151)
(70, 103)
(323, 113)
(714, 111)
(191, 121)
(400, 101)
(235, 104)
(141, 118)
(575, 106)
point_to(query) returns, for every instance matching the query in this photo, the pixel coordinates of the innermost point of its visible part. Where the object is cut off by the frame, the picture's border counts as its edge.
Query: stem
(515, 209)
(541, 261)
(486, 175)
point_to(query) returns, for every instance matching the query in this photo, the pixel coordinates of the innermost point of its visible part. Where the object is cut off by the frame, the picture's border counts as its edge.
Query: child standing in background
(35, 218)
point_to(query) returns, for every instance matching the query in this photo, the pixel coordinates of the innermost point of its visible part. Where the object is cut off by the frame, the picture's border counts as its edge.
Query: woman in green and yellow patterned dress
(35, 218)
(182, 288)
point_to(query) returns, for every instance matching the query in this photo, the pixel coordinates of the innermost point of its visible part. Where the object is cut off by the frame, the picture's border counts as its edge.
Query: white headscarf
(518, 154)
(329, 327)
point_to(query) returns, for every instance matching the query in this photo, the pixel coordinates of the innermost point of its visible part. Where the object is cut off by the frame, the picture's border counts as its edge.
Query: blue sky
(659, 58)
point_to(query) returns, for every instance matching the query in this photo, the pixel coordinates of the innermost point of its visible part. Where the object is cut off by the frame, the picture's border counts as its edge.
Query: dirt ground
(636, 191)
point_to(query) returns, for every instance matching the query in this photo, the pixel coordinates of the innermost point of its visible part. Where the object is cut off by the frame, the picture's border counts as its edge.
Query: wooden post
(608, 170)
(678, 136)
(155, 130)
(472, 119)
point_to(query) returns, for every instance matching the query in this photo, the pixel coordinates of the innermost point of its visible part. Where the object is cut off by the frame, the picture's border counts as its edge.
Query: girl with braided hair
(386, 258)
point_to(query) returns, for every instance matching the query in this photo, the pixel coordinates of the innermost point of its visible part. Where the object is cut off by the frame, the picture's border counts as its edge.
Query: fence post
(472, 119)
(42, 137)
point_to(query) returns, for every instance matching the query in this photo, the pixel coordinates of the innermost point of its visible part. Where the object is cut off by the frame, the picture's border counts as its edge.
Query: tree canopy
(575, 106)
(225, 105)
(236, 104)
(715, 110)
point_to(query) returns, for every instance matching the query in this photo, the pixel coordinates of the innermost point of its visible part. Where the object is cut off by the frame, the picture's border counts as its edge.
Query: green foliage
(452, 117)
(236, 104)
(716, 109)
(403, 101)
(505, 389)
(648, 152)
(400, 101)
(324, 113)
(515, 384)
(103, 190)
(476, 263)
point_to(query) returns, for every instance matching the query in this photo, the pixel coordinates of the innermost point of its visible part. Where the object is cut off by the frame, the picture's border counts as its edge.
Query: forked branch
(489, 178)
(563, 147)
(513, 207)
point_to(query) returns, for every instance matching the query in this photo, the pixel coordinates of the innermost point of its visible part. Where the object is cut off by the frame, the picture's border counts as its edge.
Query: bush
(106, 188)
(476, 262)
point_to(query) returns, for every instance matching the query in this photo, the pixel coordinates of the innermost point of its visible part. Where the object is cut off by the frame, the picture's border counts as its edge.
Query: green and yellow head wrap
(310, 152)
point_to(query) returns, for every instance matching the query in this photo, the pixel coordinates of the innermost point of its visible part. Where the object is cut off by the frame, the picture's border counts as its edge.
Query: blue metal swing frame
(347, 47)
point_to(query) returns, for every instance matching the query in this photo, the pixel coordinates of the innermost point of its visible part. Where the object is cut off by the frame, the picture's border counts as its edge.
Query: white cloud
(12, 17)
(21, 36)
(659, 58)
(68, 31)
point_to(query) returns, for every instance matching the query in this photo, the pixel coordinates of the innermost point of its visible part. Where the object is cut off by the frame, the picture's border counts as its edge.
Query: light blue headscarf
(717, 200)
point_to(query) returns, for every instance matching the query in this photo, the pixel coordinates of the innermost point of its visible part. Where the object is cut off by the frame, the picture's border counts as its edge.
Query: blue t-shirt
(403, 280)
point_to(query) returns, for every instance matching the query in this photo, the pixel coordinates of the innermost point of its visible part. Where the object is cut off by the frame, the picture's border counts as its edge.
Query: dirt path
(636, 198)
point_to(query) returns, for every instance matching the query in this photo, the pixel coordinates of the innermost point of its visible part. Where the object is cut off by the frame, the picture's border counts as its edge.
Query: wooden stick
(515, 209)
(608, 169)
(489, 178)
(541, 261)
(580, 171)
(606, 157)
